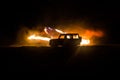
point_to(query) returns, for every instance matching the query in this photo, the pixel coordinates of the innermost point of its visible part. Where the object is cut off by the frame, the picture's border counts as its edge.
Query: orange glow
(40, 35)
(45, 30)
(92, 33)
(59, 31)
(85, 42)
(34, 37)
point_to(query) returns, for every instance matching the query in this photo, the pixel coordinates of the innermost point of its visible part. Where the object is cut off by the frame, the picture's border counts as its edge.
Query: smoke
(81, 29)
(24, 32)
(84, 30)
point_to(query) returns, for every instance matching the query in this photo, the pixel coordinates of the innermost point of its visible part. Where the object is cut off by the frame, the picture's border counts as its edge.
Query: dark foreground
(78, 61)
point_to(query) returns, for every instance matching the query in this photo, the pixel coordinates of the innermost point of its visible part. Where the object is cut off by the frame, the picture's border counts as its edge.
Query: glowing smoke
(41, 35)
(34, 37)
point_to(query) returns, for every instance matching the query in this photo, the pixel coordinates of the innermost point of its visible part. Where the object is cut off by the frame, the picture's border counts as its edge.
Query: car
(68, 39)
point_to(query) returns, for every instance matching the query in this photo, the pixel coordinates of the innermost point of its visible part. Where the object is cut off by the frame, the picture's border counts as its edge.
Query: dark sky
(49, 12)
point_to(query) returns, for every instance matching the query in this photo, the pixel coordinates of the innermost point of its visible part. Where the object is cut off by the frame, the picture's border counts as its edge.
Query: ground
(84, 60)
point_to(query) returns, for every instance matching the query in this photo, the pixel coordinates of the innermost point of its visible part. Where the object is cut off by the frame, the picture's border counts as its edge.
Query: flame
(59, 31)
(91, 33)
(45, 29)
(85, 42)
(34, 37)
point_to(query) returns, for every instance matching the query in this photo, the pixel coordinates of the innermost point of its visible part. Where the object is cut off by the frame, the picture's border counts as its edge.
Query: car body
(69, 39)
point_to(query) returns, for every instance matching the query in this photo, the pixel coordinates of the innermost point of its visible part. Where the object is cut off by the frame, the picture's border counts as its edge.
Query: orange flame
(85, 42)
(45, 30)
(59, 31)
(34, 37)
(91, 33)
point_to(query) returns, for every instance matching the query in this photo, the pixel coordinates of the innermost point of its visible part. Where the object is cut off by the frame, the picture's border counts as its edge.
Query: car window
(62, 37)
(75, 36)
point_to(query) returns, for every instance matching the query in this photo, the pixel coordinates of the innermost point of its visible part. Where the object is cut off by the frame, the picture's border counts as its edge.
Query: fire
(45, 29)
(34, 37)
(59, 31)
(85, 42)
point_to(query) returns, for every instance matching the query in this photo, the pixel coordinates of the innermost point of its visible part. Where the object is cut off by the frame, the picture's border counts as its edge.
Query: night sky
(104, 15)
